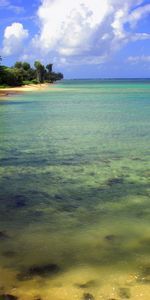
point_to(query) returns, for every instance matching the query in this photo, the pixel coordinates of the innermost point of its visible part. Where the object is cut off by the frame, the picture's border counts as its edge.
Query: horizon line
(109, 78)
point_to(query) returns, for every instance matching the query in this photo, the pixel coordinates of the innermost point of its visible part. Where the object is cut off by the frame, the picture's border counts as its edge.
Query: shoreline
(5, 92)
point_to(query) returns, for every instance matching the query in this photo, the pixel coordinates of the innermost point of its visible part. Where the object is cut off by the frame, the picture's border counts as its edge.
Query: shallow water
(74, 194)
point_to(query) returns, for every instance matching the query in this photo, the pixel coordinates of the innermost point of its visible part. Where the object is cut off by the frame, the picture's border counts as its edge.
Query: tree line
(22, 73)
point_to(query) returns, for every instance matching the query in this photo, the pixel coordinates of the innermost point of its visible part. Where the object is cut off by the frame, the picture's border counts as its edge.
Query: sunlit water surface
(74, 194)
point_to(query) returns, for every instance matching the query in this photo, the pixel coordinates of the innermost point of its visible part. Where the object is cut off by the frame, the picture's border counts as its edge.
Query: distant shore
(4, 92)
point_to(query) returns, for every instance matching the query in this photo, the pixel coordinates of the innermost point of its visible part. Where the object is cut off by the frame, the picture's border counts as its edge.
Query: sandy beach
(4, 92)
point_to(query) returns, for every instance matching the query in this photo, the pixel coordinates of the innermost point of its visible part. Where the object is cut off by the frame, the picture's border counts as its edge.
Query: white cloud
(80, 31)
(85, 31)
(6, 4)
(14, 36)
(138, 14)
(68, 26)
(137, 59)
(140, 36)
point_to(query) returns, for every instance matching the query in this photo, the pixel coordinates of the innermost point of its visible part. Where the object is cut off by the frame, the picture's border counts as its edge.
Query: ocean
(75, 192)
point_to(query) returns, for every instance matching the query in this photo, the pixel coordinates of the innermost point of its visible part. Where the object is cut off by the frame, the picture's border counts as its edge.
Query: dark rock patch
(42, 271)
(88, 284)
(88, 296)
(114, 181)
(19, 201)
(3, 236)
(143, 280)
(137, 159)
(105, 160)
(68, 207)
(112, 239)
(124, 293)
(9, 253)
(8, 297)
(92, 174)
(144, 276)
(58, 197)
(146, 271)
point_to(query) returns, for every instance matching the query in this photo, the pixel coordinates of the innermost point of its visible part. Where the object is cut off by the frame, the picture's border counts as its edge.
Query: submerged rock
(3, 236)
(20, 201)
(68, 207)
(110, 237)
(9, 253)
(8, 297)
(114, 181)
(42, 271)
(58, 197)
(146, 271)
(124, 293)
(144, 276)
(137, 159)
(88, 296)
(88, 284)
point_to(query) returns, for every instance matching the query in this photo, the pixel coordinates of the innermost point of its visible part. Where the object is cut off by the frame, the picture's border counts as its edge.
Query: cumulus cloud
(79, 32)
(70, 29)
(87, 31)
(14, 36)
(70, 25)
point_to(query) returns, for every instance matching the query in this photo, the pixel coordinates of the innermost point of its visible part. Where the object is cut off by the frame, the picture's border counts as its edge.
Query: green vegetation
(22, 73)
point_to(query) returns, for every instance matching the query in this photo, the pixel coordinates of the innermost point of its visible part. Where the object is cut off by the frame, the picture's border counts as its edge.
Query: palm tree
(40, 70)
(49, 67)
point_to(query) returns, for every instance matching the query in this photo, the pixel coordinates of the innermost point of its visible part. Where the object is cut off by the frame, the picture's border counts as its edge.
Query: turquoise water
(74, 192)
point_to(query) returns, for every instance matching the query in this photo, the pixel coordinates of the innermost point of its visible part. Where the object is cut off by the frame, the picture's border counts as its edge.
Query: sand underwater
(74, 192)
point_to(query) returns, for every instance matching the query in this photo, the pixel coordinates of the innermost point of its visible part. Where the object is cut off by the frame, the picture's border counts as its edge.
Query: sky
(82, 38)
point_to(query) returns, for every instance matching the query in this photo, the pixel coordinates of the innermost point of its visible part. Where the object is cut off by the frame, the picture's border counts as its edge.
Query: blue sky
(83, 38)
